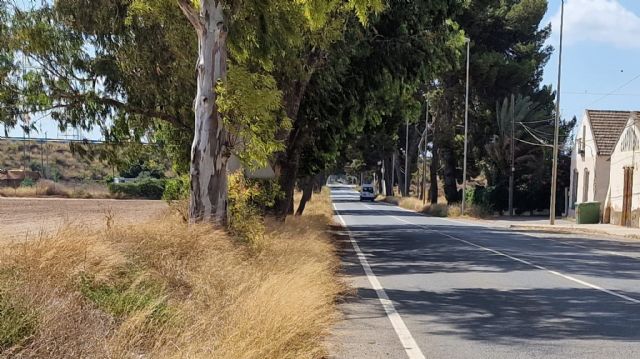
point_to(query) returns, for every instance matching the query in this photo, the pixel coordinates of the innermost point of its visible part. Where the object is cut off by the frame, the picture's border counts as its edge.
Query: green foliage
(126, 297)
(176, 189)
(245, 220)
(27, 182)
(149, 188)
(250, 104)
(17, 323)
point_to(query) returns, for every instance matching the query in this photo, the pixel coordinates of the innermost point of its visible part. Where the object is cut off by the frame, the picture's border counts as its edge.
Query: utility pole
(513, 166)
(466, 130)
(406, 162)
(393, 172)
(554, 171)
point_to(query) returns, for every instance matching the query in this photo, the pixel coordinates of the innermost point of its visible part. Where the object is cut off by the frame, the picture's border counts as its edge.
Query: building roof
(607, 126)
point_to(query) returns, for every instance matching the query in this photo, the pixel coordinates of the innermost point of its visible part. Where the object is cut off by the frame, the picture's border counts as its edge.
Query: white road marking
(573, 279)
(410, 346)
(525, 234)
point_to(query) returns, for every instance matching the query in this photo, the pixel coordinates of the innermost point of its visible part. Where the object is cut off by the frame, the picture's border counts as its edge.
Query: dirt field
(22, 218)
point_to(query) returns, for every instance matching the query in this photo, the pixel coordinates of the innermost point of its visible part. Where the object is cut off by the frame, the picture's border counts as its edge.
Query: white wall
(619, 160)
(598, 167)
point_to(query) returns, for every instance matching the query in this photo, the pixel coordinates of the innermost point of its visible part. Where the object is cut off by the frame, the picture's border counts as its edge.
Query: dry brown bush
(48, 188)
(166, 289)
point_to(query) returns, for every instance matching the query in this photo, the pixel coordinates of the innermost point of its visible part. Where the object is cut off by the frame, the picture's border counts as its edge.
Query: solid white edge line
(565, 276)
(406, 339)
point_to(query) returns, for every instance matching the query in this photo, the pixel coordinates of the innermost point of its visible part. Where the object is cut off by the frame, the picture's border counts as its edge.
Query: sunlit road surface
(436, 288)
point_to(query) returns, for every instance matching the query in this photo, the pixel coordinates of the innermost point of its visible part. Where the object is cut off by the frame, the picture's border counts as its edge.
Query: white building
(622, 204)
(591, 158)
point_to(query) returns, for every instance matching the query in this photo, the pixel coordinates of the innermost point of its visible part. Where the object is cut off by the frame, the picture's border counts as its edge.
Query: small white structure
(591, 158)
(622, 205)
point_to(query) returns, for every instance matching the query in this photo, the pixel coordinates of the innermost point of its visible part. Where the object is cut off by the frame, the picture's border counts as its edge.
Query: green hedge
(149, 188)
(176, 188)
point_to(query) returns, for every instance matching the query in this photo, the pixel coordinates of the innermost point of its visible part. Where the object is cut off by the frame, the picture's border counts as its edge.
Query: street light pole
(466, 130)
(554, 171)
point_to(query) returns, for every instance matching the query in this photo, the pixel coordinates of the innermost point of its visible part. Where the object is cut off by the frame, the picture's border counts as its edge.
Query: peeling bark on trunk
(209, 152)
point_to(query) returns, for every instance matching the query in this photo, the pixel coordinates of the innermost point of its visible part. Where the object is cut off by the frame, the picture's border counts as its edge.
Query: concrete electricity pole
(513, 165)
(554, 171)
(466, 130)
(406, 162)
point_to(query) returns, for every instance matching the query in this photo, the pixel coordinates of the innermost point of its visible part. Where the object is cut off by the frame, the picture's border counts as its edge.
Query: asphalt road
(436, 288)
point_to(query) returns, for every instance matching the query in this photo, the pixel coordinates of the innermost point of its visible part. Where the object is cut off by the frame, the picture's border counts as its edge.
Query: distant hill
(53, 160)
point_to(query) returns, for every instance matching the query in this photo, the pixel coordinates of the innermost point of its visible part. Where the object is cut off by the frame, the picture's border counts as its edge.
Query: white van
(367, 193)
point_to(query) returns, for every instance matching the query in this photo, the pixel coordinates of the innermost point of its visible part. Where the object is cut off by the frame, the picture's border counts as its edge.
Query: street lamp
(466, 129)
(554, 171)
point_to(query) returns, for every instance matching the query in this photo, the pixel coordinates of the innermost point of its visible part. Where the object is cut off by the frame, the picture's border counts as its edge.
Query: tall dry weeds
(169, 290)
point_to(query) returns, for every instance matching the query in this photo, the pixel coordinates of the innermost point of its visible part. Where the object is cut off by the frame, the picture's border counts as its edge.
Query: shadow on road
(504, 316)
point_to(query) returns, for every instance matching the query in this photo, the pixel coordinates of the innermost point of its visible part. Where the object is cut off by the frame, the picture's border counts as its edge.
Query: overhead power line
(613, 91)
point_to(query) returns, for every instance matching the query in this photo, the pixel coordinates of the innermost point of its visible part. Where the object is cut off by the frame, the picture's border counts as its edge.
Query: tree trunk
(399, 174)
(289, 161)
(307, 190)
(433, 188)
(209, 152)
(450, 178)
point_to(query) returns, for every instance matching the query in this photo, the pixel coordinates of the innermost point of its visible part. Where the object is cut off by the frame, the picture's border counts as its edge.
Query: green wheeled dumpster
(588, 213)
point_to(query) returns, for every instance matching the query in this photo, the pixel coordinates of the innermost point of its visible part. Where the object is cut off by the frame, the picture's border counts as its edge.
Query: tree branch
(78, 98)
(192, 14)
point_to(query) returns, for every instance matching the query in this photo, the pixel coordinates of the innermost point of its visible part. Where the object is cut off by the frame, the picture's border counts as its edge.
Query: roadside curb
(571, 230)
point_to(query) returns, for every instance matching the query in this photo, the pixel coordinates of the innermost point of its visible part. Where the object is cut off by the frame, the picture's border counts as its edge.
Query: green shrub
(177, 188)
(16, 322)
(149, 188)
(27, 182)
(265, 192)
(245, 220)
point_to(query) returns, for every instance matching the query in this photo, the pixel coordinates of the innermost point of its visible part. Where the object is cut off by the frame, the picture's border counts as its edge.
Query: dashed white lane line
(529, 235)
(565, 276)
(406, 339)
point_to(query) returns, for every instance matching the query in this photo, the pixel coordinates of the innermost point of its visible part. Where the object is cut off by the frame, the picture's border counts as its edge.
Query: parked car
(367, 193)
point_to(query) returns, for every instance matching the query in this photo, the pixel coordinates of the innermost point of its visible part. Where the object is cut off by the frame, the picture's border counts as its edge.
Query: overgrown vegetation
(149, 188)
(476, 210)
(48, 188)
(54, 160)
(167, 289)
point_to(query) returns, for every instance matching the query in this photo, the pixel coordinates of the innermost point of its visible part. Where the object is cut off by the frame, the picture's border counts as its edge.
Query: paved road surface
(437, 288)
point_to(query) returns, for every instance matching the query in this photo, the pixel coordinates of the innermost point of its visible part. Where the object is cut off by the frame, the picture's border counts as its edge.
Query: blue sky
(601, 54)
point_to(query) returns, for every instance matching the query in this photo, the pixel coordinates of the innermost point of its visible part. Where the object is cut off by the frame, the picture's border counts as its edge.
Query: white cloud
(602, 21)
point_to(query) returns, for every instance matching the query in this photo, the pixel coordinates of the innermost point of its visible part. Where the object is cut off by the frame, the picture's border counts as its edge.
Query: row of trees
(304, 86)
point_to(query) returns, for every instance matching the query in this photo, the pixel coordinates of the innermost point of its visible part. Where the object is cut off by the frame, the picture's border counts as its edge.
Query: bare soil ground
(22, 218)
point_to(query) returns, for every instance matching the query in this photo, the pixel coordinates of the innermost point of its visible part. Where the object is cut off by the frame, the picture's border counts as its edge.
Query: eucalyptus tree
(9, 93)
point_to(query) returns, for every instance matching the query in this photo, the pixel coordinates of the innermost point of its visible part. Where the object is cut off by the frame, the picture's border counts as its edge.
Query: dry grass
(437, 210)
(47, 188)
(57, 157)
(168, 290)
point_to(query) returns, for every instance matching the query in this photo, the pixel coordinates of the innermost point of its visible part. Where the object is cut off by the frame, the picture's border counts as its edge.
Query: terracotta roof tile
(607, 126)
